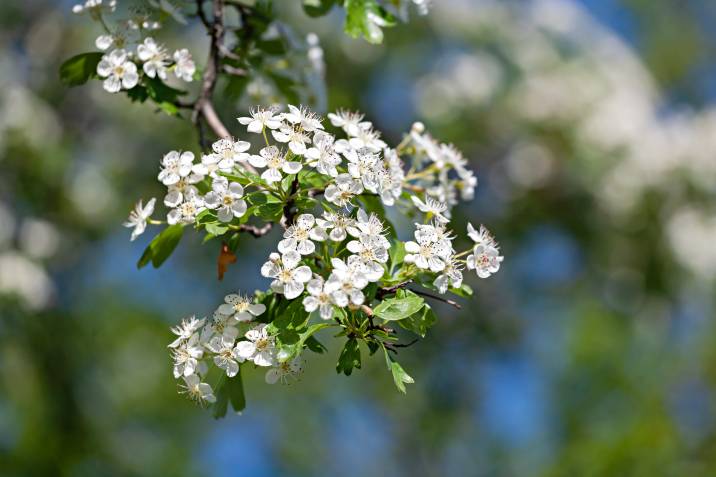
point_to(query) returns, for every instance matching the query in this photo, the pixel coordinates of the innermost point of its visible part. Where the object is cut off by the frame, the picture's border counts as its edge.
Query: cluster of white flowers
(346, 278)
(226, 340)
(120, 66)
(326, 260)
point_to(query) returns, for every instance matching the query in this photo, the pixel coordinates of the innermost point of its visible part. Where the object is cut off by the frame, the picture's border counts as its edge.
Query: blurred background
(591, 125)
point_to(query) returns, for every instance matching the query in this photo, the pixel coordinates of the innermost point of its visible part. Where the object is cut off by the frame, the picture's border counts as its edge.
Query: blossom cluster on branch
(330, 187)
(339, 258)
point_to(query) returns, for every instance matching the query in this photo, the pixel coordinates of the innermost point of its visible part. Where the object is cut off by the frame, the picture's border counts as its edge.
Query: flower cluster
(229, 338)
(338, 259)
(131, 52)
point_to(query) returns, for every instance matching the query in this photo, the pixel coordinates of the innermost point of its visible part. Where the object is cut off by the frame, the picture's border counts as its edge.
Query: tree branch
(203, 106)
(256, 231)
(438, 298)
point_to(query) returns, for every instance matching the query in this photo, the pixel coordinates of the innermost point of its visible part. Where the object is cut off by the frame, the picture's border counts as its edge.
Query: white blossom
(285, 372)
(300, 234)
(154, 57)
(198, 391)
(485, 259)
(260, 119)
(259, 347)
(289, 277)
(432, 248)
(240, 307)
(274, 161)
(451, 276)
(226, 356)
(319, 298)
(229, 152)
(184, 67)
(481, 236)
(367, 138)
(104, 42)
(294, 136)
(119, 71)
(337, 223)
(431, 207)
(372, 253)
(323, 154)
(175, 166)
(187, 328)
(303, 118)
(346, 282)
(186, 211)
(220, 325)
(185, 186)
(186, 356)
(226, 198)
(138, 218)
(350, 122)
(96, 5)
(342, 191)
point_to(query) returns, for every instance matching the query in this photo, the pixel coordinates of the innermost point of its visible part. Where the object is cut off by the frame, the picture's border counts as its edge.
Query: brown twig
(438, 298)
(256, 231)
(203, 106)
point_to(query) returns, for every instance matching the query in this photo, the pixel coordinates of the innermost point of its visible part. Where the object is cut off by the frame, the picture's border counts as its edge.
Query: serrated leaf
(162, 246)
(349, 357)
(419, 323)
(80, 68)
(400, 377)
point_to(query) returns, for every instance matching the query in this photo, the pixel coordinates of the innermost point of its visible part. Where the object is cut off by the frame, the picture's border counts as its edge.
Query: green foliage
(400, 377)
(419, 322)
(230, 390)
(162, 246)
(80, 68)
(318, 8)
(404, 304)
(365, 18)
(349, 357)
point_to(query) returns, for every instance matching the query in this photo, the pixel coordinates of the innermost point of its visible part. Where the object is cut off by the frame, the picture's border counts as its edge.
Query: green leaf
(219, 408)
(162, 246)
(235, 390)
(404, 304)
(349, 357)
(288, 321)
(366, 18)
(465, 291)
(317, 8)
(397, 254)
(419, 323)
(400, 377)
(314, 345)
(309, 178)
(160, 92)
(216, 229)
(80, 68)
(269, 212)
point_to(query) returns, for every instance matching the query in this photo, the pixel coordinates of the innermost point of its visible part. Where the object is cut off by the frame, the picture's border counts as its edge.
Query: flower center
(285, 276)
(275, 162)
(228, 200)
(262, 344)
(301, 234)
